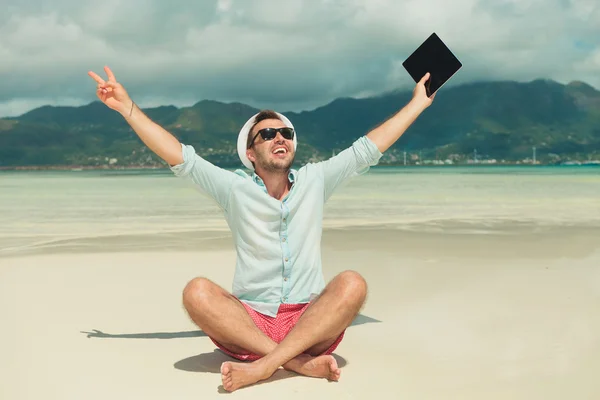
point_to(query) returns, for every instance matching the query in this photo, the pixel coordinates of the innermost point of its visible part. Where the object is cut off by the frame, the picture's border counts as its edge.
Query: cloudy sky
(292, 55)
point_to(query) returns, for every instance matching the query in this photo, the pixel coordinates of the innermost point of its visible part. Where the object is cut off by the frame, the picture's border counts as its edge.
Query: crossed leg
(223, 318)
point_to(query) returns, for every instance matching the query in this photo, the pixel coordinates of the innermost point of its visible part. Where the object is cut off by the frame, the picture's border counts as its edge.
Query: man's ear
(250, 155)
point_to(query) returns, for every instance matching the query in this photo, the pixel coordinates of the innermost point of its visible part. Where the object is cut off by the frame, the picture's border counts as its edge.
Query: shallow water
(48, 209)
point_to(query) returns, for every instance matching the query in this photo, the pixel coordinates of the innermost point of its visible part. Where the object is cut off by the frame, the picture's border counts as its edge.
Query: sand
(497, 316)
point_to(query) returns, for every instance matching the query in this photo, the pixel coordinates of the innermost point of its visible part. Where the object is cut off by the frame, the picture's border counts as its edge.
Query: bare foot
(318, 367)
(237, 375)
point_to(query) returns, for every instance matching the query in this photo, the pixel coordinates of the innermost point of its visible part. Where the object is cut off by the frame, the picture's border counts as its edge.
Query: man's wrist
(417, 105)
(128, 111)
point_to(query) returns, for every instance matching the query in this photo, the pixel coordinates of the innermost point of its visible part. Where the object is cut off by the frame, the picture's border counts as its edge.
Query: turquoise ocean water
(42, 209)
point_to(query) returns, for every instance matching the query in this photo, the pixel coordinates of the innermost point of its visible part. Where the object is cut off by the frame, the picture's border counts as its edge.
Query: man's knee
(354, 285)
(198, 292)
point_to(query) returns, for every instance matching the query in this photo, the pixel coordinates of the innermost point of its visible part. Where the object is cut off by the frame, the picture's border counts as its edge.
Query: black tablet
(435, 57)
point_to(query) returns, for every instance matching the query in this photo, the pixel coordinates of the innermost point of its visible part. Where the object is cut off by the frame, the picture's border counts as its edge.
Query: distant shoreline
(78, 168)
(75, 168)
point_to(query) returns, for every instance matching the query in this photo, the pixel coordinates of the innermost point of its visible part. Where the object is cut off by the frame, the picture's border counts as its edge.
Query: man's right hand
(112, 93)
(160, 141)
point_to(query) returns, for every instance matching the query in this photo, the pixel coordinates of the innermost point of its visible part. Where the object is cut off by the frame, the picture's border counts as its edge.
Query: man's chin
(279, 165)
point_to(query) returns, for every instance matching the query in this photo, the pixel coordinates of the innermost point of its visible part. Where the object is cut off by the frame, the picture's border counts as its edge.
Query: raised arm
(386, 134)
(368, 149)
(161, 142)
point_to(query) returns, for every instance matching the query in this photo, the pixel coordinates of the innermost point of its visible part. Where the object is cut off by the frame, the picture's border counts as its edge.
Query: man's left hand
(420, 93)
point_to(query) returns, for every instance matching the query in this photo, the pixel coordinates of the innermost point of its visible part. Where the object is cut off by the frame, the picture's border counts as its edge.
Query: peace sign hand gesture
(112, 93)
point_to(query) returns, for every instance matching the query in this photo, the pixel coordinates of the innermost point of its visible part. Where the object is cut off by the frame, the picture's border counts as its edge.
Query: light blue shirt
(278, 243)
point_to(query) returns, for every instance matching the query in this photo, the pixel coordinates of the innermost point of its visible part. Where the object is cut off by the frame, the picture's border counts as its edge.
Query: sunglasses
(270, 133)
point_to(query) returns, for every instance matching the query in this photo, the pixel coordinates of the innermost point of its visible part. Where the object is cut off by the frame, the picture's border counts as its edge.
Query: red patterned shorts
(276, 328)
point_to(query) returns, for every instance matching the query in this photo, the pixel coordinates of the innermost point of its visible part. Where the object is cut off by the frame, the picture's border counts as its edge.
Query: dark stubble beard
(271, 165)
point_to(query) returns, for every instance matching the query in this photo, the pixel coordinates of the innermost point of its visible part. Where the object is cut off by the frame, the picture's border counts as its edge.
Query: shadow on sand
(211, 362)
(359, 320)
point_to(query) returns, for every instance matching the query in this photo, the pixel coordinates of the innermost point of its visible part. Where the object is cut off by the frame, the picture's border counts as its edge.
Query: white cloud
(286, 55)
(589, 65)
(224, 5)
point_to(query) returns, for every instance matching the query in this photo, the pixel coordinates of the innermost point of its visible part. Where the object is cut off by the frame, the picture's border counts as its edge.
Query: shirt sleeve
(353, 161)
(211, 180)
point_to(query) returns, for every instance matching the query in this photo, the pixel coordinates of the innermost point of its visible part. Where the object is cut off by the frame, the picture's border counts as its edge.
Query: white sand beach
(448, 317)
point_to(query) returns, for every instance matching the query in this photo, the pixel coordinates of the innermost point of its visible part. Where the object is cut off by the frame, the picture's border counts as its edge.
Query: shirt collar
(258, 180)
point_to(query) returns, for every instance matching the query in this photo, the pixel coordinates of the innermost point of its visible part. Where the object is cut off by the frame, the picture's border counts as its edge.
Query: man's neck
(277, 183)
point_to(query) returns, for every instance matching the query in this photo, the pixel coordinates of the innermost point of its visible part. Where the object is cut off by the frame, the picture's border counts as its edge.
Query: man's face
(275, 155)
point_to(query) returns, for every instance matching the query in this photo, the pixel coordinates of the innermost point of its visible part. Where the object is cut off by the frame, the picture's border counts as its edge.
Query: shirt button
(286, 259)
(283, 240)
(285, 279)
(285, 219)
(285, 299)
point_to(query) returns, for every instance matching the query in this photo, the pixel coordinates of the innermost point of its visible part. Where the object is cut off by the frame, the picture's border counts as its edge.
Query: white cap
(243, 138)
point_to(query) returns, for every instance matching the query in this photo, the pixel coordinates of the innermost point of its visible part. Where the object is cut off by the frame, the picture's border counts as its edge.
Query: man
(280, 313)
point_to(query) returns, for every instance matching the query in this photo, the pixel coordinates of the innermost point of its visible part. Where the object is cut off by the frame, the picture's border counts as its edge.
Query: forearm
(159, 140)
(386, 134)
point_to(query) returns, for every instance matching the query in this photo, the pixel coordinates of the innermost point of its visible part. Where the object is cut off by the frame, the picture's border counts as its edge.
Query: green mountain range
(488, 120)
